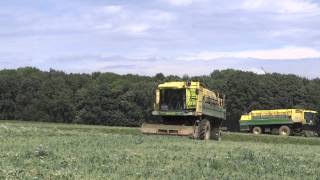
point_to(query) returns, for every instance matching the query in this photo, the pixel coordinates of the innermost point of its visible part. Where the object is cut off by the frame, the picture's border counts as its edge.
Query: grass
(59, 151)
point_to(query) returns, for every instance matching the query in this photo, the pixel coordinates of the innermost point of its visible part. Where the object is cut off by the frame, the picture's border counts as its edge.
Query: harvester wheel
(256, 130)
(216, 133)
(204, 129)
(284, 130)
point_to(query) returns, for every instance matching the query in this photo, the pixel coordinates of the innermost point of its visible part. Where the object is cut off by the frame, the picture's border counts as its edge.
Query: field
(59, 151)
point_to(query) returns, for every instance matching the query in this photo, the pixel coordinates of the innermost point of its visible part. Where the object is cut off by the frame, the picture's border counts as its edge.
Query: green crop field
(59, 151)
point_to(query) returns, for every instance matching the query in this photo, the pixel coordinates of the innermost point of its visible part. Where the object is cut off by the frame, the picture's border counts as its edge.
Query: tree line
(30, 94)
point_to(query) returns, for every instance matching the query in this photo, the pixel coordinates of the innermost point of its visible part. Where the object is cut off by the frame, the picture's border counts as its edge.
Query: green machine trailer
(281, 122)
(187, 109)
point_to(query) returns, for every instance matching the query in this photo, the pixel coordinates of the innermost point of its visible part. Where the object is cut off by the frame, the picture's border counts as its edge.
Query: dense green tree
(127, 100)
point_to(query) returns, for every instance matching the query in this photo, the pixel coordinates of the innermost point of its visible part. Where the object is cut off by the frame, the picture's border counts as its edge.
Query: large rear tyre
(216, 133)
(256, 130)
(204, 129)
(284, 130)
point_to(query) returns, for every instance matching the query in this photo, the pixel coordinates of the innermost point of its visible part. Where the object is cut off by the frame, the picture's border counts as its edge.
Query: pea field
(31, 150)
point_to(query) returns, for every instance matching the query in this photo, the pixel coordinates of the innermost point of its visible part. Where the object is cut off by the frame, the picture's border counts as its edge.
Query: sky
(192, 37)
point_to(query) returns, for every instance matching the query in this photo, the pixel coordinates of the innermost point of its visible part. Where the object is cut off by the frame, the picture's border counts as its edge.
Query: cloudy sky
(171, 36)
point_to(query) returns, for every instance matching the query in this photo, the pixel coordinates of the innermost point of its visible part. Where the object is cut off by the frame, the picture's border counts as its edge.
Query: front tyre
(204, 129)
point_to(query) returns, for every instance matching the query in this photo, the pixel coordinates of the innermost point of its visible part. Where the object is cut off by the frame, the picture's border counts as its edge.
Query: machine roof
(179, 84)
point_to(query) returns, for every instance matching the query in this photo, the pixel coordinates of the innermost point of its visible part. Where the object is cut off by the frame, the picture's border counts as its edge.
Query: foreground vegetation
(127, 100)
(59, 151)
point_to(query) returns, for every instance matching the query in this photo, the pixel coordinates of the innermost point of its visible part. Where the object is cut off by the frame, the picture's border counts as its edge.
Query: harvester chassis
(286, 129)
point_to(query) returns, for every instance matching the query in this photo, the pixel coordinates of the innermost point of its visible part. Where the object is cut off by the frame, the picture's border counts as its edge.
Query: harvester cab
(188, 109)
(177, 99)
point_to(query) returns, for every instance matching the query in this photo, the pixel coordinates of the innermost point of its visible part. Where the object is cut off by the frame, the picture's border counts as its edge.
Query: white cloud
(160, 16)
(293, 32)
(136, 28)
(282, 6)
(129, 21)
(180, 2)
(111, 9)
(285, 53)
(105, 26)
(282, 53)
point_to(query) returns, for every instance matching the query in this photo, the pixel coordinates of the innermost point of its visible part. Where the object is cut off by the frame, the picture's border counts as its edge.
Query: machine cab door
(191, 98)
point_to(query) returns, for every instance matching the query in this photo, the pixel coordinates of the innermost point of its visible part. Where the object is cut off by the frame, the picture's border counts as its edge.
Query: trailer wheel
(216, 133)
(284, 130)
(204, 129)
(256, 130)
(307, 133)
(275, 131)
